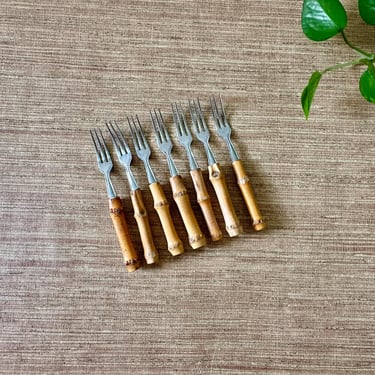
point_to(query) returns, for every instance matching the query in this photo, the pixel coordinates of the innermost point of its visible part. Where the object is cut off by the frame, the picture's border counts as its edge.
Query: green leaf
(367, 85)
(323, 19)
(367, 11)
(309, 92)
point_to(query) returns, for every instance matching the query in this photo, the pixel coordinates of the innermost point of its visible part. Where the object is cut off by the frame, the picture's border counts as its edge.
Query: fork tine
(140, 133)
(185, 127)
(159, 126)
(122, 138)
(132, 132)
(94, 141)
(221, 105)
(218, 117)
(162, 126)
(156, 126)
(193, 115)
(222, 109)
(114, 137)
(177, 119)
(214, 108)
(104, 146)
(137, 133)
(199, 116)
(198, 104)
(100, 146)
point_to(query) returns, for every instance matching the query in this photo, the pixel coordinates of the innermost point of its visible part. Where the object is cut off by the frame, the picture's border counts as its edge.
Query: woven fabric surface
(297, 298)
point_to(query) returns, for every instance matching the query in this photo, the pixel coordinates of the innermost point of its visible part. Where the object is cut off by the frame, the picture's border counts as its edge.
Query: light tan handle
(161, 206)
(140, 214)
(232, 224)
(205, 204)
(121, 227)
(249, 196)
(181, 197)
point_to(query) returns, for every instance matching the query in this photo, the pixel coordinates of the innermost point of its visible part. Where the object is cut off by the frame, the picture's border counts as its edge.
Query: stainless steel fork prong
(116, 209)
(222, 126)
(163, 140)
(104, 160)
(185, 138)
(161, 204)
(201, 130)
(232, 224)
(180, 193)
(141, 146)
(123, 152)
(224, 130)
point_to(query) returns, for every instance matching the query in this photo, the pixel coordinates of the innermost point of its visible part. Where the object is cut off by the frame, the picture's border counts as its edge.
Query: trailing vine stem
(361, 61)
(352, 46)
(366, 58)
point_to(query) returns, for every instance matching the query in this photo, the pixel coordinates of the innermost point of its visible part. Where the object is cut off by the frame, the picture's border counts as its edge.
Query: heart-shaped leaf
(367, 85)
(309, 92)
(322, 19)
(367, 11)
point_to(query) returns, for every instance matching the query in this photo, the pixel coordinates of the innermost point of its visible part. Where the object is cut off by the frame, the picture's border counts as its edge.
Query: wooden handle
(181, 197)
(205, 204)
(161, 206)
(248, 195)
(232, 224)
(121, 227)
(140, 214)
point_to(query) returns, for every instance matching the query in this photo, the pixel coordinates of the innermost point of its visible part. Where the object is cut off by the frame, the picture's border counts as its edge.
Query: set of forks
(180, 194)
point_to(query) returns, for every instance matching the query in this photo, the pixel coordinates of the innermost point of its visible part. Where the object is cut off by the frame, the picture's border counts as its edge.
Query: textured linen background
(296, 299)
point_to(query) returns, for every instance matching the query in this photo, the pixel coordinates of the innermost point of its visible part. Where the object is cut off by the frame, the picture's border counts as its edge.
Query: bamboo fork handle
(232, 224)
(161, 206)
(121, 227)
(248, 195)
(181, 197)
(140, 214)
(204, 202)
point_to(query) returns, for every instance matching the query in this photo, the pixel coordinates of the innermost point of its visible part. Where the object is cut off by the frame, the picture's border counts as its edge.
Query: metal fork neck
(232, 151)
(172, 166)
(149, 172)
(111, 192)
(210, 155)
(131, 179)
(192, 162)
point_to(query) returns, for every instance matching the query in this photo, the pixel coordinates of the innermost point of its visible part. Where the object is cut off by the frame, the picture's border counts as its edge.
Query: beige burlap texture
(295, 299)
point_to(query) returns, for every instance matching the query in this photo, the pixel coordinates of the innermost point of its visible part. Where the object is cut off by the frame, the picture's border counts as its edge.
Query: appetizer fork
(180, 193)
(185, 138)
(161, 205)
(140, 213)
(224, 130)
(115, 205)
(216, 175)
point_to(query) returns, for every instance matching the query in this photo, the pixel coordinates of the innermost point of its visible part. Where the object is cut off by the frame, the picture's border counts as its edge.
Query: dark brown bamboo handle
(204, 202)
(121, 227)
(249, 196)
(140, 214)
(161, 205)
(232, 224)
(181, 197)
